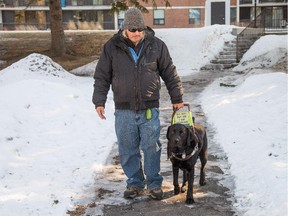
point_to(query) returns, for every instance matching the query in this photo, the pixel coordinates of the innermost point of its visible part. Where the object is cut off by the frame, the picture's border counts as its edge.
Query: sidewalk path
(213, 199)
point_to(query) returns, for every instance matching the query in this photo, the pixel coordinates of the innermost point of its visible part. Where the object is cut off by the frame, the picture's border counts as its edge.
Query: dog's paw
(190, 201)
(176, 190)
(183, 189)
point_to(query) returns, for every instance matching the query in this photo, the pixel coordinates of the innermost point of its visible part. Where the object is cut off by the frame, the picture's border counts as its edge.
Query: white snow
(53, 144)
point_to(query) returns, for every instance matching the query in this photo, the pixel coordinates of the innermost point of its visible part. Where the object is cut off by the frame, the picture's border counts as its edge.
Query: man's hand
(178, 106)
(101, 111)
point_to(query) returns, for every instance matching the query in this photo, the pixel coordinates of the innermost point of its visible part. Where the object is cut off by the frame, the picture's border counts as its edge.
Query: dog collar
(186, 157)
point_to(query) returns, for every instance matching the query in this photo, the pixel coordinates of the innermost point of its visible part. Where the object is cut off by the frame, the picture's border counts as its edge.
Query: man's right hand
(101, 111)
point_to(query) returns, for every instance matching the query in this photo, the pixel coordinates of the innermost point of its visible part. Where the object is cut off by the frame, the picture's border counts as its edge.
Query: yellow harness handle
(182, 117)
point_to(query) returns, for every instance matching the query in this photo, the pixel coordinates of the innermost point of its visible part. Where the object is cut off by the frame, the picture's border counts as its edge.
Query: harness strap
(186, 157)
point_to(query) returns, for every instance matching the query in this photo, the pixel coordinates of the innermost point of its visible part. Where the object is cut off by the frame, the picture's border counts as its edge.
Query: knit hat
(133, 19)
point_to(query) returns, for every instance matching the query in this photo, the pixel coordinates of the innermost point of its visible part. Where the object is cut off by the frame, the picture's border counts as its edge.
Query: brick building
(94, 14)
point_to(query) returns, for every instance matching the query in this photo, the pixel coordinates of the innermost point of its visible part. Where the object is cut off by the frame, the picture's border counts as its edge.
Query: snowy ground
(53, 144)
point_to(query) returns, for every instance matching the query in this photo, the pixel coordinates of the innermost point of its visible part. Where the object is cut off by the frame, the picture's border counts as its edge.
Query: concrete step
(223, 61)
(229, 50)
(213, 67)
(226, 66)
(231, 45)
(232, 55)
(226, 58)
(217, 66)
(228, 53)
(244, 43)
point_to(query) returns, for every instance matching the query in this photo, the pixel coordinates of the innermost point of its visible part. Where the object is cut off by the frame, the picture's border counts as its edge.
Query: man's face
(135, 35)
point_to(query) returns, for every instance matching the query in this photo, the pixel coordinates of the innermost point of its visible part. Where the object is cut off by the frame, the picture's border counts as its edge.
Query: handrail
(249, 35)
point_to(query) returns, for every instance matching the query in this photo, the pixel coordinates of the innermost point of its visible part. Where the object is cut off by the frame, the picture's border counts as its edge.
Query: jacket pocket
(150, 81)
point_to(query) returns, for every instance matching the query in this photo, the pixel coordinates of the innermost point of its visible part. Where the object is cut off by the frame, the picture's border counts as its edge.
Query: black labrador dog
(185, 145)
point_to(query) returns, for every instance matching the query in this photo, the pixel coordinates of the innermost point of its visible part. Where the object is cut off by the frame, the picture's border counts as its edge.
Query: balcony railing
(249, 35)
(272, 1)
(241, 2)
(64, 3)
(270, 19)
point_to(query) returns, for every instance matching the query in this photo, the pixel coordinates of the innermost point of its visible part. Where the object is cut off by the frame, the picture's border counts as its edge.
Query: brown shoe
(131, 192)
(156, 193)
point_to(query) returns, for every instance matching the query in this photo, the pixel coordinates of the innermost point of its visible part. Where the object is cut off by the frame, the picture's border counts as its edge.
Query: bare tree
(58, 46)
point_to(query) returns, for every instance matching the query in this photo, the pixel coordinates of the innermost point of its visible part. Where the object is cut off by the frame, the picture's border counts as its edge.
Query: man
(133, 61)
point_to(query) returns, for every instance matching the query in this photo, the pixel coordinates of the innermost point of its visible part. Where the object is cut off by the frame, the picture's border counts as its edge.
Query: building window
(121, 16)
(159, 17)
(245, 14)
(232, 15)
(245, 2)
(194, 16)
(74, 2)
(97, 2)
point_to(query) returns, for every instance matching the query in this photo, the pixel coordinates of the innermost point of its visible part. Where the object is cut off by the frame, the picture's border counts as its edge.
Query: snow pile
(51, 141)
(266, 52)
(193, 48)
(34, 66)
(251, 125)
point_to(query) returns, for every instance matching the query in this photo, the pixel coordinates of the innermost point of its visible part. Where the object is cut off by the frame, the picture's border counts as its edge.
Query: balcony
(272, 1)
(64, 3)
(85, 2)
(261, 1)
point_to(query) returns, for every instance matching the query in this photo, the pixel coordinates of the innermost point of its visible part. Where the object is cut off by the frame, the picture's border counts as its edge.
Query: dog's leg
(175, 180)
(190, 176)
(202, 180)
(183, 188)
(203, 158)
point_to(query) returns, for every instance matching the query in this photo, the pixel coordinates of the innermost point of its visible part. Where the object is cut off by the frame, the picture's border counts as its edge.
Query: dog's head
(179, 138)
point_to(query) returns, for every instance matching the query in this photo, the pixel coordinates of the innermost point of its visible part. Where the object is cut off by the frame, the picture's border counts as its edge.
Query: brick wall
(178, 16)
(175, 18)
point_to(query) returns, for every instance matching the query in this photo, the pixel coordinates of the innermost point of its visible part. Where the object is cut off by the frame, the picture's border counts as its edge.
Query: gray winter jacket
(135, 86)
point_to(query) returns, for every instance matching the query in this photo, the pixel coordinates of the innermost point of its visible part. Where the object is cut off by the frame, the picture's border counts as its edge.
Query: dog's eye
(181, 132)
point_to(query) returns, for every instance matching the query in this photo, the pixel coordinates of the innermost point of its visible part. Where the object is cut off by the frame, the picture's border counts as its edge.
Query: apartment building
(94, 14)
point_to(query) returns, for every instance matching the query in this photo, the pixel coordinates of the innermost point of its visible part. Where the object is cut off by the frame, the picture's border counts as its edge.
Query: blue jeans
(135, 132)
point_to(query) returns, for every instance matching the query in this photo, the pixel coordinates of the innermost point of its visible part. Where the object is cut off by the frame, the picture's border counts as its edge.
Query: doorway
(217, 13)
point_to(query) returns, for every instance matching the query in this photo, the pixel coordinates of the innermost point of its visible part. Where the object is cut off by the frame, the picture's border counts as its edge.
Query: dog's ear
(167, 134)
